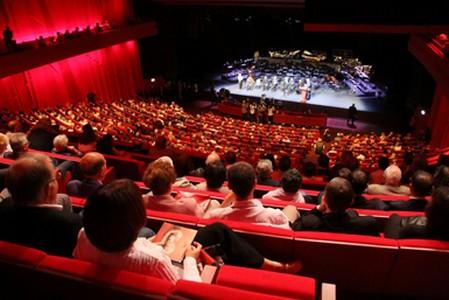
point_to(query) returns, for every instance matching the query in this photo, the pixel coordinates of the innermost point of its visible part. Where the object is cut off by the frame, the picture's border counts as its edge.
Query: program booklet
(175, 239)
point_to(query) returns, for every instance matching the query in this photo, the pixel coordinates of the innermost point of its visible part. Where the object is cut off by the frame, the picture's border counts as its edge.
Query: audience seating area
(199, 134)
(58, 277)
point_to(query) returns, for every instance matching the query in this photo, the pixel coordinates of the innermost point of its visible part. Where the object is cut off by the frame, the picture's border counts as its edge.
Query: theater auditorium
(244, 149)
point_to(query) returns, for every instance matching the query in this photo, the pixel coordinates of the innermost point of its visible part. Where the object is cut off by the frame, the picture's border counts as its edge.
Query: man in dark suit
(421, 186)
(93, 168)
(332, 214)
(35, 219)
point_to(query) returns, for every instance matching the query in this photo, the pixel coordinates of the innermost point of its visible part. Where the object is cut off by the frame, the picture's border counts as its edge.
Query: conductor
(352, 115)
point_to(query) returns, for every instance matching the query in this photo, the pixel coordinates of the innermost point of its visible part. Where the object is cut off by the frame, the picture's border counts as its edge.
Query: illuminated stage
(322, 97)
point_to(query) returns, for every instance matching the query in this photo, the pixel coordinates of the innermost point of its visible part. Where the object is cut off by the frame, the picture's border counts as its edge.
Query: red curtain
(29, 19)
(111, 73)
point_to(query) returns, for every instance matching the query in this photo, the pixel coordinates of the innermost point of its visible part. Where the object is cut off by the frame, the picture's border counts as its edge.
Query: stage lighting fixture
(153, 79)
(423, 112)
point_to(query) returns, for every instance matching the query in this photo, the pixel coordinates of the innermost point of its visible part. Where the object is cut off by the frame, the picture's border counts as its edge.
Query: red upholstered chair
(155, 219)
(18, 270)
(72, 278)
(272, 242)
(18, 254)
(421, 269)
(354, 263)
(285, 285)
(202, 291)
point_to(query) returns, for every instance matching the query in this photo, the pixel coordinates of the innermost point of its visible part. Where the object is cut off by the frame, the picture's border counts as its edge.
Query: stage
(322, 97)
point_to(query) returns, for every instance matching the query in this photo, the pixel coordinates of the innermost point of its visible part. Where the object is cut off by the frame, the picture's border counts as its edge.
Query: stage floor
(322, 97)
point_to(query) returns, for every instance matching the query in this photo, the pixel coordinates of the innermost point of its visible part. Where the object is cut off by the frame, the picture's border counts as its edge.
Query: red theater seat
(272, 242)
(285, 285)
(156, 218)
(65, 276)
(14, 253)
(421, 269)
(352, 262)
(201, 291)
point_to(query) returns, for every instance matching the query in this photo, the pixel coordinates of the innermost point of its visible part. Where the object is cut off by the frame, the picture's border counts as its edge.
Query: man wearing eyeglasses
(35, 219)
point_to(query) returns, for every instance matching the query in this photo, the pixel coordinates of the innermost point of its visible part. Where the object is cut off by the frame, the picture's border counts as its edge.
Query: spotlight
(153, 79)
(423, 112)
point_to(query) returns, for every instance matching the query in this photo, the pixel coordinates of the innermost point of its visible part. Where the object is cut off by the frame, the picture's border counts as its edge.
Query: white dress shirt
(280, 194)
(142, 257)
(251, 211)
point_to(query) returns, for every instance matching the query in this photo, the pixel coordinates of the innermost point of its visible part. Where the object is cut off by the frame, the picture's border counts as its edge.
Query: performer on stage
(240, 80)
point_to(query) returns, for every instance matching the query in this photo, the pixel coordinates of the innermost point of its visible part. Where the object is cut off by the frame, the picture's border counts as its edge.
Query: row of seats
(354, 263)
(48, 277)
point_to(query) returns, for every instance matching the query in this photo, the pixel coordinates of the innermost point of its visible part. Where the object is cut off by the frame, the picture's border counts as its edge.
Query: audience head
(60, 142)
(15, 126)
(230, 157)
(43, 123)
(87, 135)
(241, 179)
(441, 176)
(113, 216)
(161, 142)
(264, 169)
(33, 179)
(392, 175)
(105, 144)
(323, 161)
(215, 174)
(421, 185)
(291, 181)
(159, 176)
(437, 213)
(4, 142)
(285, 163)
(359, 181)
(383, 163)
(344, 173)
(212, 157)
(309, 169)
(338, 195)
(271, 158)
(93, 165)
(19, 142)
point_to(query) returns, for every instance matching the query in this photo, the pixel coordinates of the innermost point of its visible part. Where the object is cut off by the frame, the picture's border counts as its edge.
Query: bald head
(338, 194)
(393, 175)
(421, 184)
(93, 165)
(29, 177)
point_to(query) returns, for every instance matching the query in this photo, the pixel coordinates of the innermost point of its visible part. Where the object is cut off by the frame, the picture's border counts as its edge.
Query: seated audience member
(441, 176)
(289, 190)
(114, 215)
(19, 145)
(392, 185)
(332, 214)
(215, 175)
(87, 141)
(377, 177)
(420, 187)
(284, 164)
(264, 169)
(242, 181)
(35, 219)
(359, 181)
(93, 168)
(61, 146)
(309, 171)
(41, 135)
(323, 166)
(434, 225)
(230, 158)
(105, 146)
(4, 145)
(160, 177)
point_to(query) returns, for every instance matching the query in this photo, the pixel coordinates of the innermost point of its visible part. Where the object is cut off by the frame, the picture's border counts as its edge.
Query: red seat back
(202, 291)
(352, 262)
(421, 269)
(286, 285)
(74, 278)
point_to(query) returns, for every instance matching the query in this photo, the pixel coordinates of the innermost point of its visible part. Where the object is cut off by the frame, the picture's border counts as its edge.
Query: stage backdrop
(111, 73)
